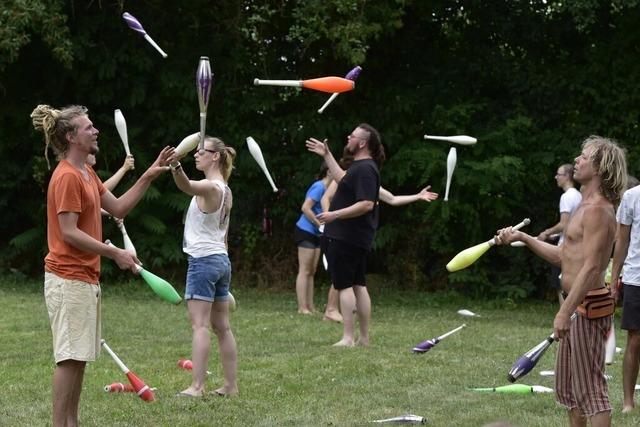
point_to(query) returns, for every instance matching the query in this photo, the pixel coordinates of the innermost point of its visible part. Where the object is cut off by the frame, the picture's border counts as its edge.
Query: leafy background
(529, 79)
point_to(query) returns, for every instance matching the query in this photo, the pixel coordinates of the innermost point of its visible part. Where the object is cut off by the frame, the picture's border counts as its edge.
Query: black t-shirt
(361, 182)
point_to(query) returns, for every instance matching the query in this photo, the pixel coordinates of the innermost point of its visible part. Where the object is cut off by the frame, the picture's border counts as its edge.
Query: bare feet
(363, 342)
(191, 392)
(304, 311)
(226, 392)
(344, 343)
(626, 409)
(334, 316)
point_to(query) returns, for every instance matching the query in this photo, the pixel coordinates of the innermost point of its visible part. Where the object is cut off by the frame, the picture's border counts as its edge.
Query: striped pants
(580, 381)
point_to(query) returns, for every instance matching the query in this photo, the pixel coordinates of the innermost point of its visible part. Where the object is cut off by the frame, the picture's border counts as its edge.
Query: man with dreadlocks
(74, 236)
(601, 169)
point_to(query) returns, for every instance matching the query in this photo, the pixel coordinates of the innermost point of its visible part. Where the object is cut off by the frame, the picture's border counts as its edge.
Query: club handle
(114, 357)
(524, 222)
(329, 101)
(203, 128)
(451, 332)
(518, 226)
(138, 267)
(573, 316)
(120, 225)
(294, 83)
(273, 185)
(439, 138)
(154, 44)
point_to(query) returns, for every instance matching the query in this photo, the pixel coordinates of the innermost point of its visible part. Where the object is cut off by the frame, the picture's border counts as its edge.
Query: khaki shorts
(74, 314)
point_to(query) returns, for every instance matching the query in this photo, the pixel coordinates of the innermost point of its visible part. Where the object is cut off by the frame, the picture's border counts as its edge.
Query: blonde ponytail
(227, 156)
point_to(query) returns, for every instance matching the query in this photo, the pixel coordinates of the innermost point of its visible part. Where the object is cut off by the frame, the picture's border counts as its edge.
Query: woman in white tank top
(209, 272)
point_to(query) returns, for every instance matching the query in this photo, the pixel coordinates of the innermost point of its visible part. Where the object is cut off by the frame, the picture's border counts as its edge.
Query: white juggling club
(255, 151)
(187, 144)
(457, 139)
(121, 126)
(610, 346)
(452, 158)
(128, 244)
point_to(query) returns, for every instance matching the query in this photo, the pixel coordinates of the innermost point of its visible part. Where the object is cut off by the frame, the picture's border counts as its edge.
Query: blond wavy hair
(610, 163)
(227, 155)
(55, 124)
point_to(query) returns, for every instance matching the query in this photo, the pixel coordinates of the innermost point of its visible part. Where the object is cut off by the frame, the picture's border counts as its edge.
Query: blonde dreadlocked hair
(55, 124)
(609, 161)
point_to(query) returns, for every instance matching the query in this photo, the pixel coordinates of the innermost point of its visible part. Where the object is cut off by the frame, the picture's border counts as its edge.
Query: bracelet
(175, 166)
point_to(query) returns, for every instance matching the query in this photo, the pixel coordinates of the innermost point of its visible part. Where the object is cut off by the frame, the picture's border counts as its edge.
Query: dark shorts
(304, 239)
(631, 308)
(347, 264)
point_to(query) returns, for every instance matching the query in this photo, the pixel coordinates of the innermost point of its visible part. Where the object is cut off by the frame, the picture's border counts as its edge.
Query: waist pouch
(597, 304)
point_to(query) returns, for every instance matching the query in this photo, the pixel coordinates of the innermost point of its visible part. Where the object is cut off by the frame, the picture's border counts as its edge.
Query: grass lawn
(289, 375)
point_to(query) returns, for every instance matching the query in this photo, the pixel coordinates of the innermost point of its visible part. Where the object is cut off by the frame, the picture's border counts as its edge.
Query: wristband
(175, 166)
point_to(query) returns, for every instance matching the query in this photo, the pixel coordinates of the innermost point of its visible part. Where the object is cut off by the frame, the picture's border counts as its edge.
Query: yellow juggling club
(468, 256)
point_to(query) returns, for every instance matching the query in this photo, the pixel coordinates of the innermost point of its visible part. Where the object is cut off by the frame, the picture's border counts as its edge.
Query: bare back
(588, 243)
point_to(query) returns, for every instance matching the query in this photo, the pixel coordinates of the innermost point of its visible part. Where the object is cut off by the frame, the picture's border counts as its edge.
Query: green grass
(289, 375)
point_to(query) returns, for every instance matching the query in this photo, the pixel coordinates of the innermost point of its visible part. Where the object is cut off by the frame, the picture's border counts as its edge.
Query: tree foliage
(529, 79)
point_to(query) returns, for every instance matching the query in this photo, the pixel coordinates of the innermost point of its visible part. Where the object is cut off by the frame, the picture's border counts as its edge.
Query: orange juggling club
(119, 388)
(139, 386)
(323, 84)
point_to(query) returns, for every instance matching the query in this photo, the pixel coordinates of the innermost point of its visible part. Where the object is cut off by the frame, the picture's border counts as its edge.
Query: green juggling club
(161, 287)
(517, 388)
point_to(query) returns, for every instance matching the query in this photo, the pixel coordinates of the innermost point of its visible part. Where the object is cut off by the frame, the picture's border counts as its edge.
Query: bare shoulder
(591, 216)
(598, 216)
(601, 210)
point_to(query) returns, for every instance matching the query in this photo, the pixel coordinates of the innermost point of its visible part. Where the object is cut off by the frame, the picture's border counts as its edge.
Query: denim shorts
(208, 278)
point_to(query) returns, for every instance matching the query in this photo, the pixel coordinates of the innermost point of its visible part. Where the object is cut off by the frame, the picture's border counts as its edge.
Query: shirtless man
(580, 384)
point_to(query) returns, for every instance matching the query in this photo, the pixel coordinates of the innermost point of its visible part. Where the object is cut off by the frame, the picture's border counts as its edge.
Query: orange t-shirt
(70, 191)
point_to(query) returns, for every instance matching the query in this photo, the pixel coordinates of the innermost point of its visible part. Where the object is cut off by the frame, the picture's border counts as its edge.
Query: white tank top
(204, 233)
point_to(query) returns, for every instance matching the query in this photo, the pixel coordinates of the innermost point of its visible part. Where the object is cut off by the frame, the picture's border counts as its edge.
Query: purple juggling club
(427, 345)
(136, 26)
(530, 359)
(351, 75)
(203, 84)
